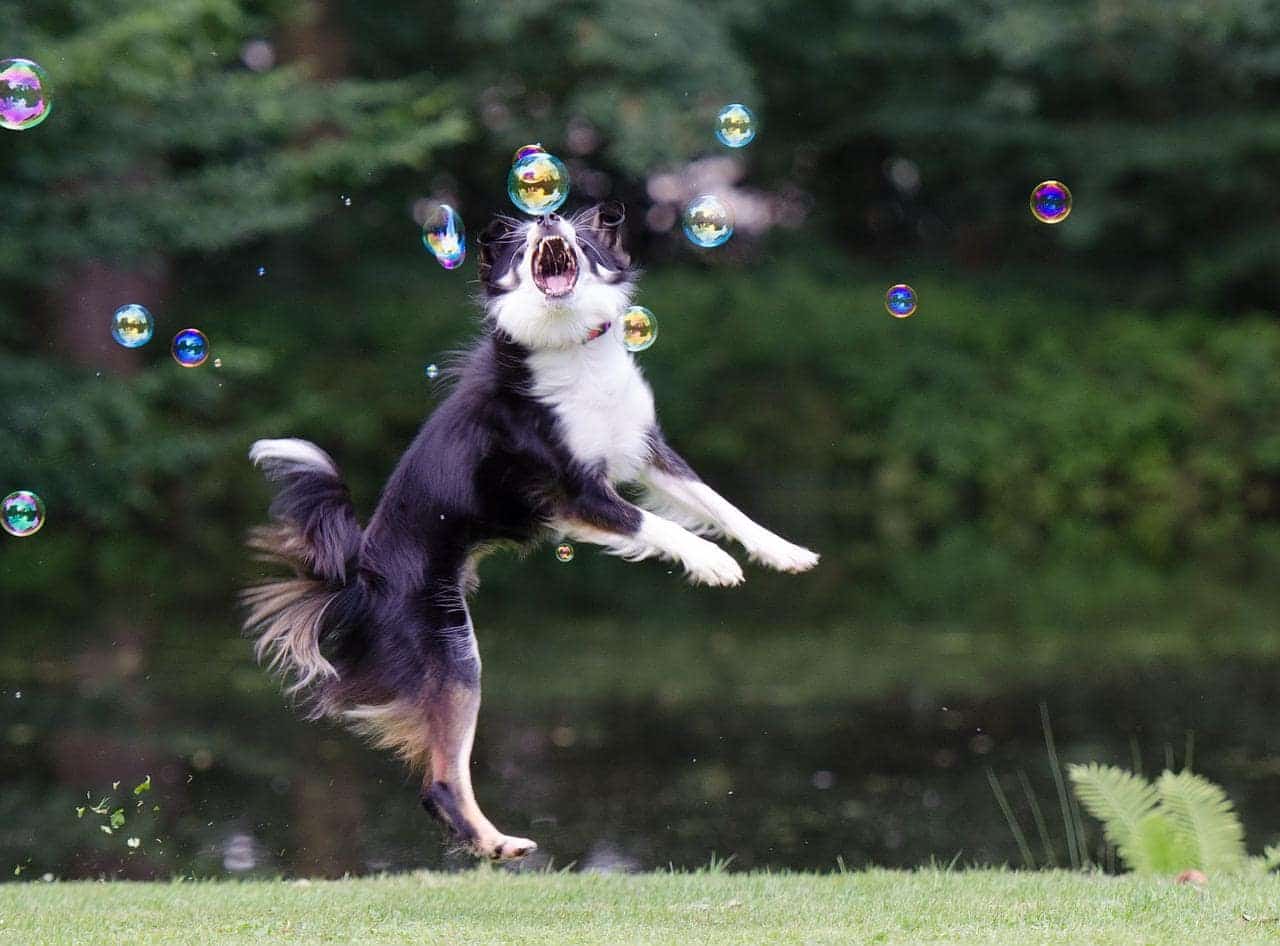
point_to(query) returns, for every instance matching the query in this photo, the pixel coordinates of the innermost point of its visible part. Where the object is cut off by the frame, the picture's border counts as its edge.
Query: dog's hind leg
(451, 711)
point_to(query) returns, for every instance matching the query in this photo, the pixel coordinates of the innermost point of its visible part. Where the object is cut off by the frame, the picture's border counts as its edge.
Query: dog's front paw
(777, 553)
(708, 564)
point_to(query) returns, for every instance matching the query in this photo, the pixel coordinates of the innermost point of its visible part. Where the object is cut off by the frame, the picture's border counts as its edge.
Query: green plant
(1181, 821)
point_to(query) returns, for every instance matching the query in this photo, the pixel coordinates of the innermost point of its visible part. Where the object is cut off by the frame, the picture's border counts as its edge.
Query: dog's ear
(489, 244)
(607, 224)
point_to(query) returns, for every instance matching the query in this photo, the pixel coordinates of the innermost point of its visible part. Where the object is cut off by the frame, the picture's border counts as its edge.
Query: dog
(548, 415)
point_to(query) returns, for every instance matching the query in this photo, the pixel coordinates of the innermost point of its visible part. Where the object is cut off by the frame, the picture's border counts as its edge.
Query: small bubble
(132, 325)
(1051, 202)
(639, 328)
(190, 348)
(346, 201)
(445, 236)
(24, 94)
(900, 301)
(432, 371)
(708, 221)
(735, 126)
(525, 150)
(538, 183)
(217, 362)
(262, 271)
(21, 515)
(564, 552)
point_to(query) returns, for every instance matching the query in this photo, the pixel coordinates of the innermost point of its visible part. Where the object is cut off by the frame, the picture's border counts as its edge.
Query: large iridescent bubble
(735, 126)
(21, 513)
(132, 325)
(708, 221)
(1051, 202)
(445, 236)
(24, 95)
(190, 348)
(538, 183)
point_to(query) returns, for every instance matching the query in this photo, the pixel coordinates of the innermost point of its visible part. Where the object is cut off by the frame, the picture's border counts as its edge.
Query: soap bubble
(432, 371)
(132, 325)
(445, 236)
(735, 126)
(708, 221)
(639, 328)
(538, 183)
(526, 150)
(190, 348)
(24, 95)
(564, 552)
(1051, 202)
(22, 513)
(217, 362)
(901, 301)
(262, 270)
(346, 201)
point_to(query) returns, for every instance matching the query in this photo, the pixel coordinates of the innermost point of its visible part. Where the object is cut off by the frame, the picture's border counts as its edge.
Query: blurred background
(1052, 494)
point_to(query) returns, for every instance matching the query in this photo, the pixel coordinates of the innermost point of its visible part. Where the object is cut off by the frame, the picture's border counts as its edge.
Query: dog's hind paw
(777, 553)
(505, 848)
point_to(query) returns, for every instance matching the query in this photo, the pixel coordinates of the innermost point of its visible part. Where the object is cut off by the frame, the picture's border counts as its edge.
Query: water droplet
(538, 183)
(708, 221)
(24, 95)
(445, 236)
(132, 325)
(1051, 202)
(432, 372)
(190, 348)
(900, 301)
(21, 515)
(564, 552)
(735, 126)
(639, 328)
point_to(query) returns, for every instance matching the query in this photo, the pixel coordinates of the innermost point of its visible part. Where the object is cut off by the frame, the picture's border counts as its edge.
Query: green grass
(927, 906)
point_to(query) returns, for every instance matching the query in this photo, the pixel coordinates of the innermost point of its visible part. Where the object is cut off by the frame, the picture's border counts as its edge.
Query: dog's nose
(549, 220)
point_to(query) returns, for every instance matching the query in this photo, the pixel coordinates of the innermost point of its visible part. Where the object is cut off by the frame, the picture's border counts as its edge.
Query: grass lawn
(489, 906)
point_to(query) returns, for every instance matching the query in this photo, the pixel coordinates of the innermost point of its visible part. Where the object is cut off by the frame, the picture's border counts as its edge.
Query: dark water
(885, 767)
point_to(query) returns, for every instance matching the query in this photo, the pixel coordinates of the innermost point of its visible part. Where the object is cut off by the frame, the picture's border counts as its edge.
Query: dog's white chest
(603, 404)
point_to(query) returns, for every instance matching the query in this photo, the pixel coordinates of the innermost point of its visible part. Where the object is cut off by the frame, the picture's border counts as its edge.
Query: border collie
(548, 415)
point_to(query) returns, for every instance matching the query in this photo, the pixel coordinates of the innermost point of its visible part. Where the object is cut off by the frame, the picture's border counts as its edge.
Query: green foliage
(1183, 821)
(162, 142)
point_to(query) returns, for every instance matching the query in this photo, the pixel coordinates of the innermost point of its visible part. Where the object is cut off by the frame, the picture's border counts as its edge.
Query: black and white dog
(548, 415)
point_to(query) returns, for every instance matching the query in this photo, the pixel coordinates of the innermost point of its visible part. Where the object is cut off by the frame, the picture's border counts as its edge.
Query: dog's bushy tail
(314, 532)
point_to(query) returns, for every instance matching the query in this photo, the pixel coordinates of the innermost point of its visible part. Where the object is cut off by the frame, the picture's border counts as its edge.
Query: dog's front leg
(598, 515)
(674, 488)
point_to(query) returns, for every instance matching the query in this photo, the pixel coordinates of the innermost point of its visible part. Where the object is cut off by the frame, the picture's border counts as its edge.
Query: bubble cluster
(190, 348)
(639, 328)
(432, 371)
(24, 94)
(708, 221)
(525, 150)
(1051, 202)
(901, 301)
(539, 182)
(735, 126)
(132, 325)
(445, 236)
(564, 552)
(21, 513)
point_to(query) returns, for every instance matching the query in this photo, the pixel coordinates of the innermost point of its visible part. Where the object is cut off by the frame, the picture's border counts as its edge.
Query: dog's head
(551, 282)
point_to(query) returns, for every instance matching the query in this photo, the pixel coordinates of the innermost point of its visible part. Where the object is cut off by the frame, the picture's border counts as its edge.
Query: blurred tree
(170, 135)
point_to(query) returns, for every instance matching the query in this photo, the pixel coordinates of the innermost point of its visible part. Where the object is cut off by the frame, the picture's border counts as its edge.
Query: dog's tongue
(556, 284)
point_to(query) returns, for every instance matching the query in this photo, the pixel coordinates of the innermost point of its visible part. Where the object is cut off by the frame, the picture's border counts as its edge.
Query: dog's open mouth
(555, 266)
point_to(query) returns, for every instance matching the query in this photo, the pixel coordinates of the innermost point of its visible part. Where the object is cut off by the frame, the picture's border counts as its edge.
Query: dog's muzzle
(555, 266)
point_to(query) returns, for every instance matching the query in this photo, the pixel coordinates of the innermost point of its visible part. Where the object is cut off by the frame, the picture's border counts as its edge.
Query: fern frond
(1123, 802)
(1202, 812)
